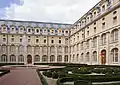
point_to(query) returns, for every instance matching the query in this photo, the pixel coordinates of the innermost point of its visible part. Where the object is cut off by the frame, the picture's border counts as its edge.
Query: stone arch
(103, 57)
(44, 58)
(4, 58)
(12, 58)
(20, 58)
(59, 58)
(12, 48)
(29, 59)
(36, 58)
(52, 58)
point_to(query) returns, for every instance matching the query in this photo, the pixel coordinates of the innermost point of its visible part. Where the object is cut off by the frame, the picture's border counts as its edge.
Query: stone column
(56, 53)
(33, 55)
(16, 53)
(107, 48)
(48, 54)
(63, 53)
(8, 53)
(98, 50)
(41, 54)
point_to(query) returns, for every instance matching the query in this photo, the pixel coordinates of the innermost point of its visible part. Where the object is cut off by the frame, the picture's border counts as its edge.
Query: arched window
(52, 49)
(114, 54)
(21, 48)
(59, 58)
(66, 58)
(45, 49)
(87, 57)
(52, 58)
(103, 39)
(12, 58)
(4, 58)
(94, 56)
(94, 41)
(37, 58)
(29, 49)
(36, 49)
(59, 49)
(4, 48)
(114, 35)
(20, 58)
(82, 57)
(12, 48)
(66, 49)
(77, 57)
(44, 58)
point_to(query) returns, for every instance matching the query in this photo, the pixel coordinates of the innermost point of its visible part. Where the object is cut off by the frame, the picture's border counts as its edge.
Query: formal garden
(82, 75)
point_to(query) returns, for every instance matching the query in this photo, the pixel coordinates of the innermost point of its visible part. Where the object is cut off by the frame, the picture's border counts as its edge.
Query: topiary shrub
(55, 75)
(82, 82)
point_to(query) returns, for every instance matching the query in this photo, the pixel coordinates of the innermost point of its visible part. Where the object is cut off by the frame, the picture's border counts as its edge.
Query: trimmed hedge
(43, 80)
(4, 72)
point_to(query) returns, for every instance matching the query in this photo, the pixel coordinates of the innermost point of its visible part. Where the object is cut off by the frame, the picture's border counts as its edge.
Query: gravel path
(21, 76)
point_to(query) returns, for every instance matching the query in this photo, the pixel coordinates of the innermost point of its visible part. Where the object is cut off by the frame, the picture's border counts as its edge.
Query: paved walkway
(21, 76)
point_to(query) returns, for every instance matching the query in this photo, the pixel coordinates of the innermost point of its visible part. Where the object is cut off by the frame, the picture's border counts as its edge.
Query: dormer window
(103, 7)
(29, 30)
(37, 30)
(12, 29)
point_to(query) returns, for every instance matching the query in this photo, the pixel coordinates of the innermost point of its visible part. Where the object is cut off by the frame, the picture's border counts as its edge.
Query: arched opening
(114, 54)
(82, 57)
(87, 57)
(29, 59)
(59, 58)
(12, 58)
(103, 57)
(20, 58)
(52, 58)
(95, 56)
(4, 58)
(66, 58)
(37, 58)
(44, 58)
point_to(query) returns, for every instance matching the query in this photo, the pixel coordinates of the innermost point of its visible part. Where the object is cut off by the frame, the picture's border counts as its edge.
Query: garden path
(21, 76)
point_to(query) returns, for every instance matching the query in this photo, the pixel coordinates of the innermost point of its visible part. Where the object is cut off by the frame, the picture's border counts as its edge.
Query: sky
(59, 11)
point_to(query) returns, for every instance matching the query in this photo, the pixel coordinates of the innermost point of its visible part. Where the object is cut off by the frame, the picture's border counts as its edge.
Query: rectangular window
(20, 40)
(37, 40)
(59, 41)
(94, 29)
(4, 39)
(114, 20)
(12, 39)
(52, 41)
(103, 25)
(87, 33)
(44, 41)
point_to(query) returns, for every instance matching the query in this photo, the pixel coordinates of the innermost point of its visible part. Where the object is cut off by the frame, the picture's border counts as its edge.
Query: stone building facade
(93, 39)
